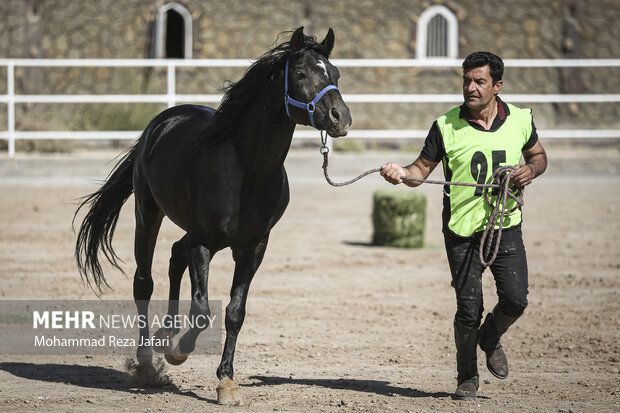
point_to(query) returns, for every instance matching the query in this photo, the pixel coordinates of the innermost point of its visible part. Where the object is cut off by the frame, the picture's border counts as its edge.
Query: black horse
(219, 175)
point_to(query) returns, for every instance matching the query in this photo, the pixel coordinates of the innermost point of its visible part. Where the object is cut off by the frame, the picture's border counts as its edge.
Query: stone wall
(364, 29)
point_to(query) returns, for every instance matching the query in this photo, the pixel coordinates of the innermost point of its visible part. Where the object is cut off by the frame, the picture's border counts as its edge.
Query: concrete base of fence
(399, 218)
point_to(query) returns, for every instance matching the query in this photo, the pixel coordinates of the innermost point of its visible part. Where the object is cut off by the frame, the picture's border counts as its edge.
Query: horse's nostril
(334, 114)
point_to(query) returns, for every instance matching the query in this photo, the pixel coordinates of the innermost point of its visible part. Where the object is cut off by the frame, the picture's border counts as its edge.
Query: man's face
(478, 87)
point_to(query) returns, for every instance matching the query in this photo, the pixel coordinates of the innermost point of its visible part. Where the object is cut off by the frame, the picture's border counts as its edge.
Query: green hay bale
(399, 218)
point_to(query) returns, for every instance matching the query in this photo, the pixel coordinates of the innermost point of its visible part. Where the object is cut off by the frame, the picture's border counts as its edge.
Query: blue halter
(306, 106)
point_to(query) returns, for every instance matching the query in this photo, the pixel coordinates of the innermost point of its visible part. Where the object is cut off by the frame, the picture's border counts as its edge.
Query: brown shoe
(497, 363)
(466, 390)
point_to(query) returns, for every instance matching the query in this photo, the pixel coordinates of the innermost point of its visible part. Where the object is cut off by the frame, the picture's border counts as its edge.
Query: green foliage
(39, 145)
(115, 116)
(118, 116)
(399, 218)
(349, 145)
(44, 145)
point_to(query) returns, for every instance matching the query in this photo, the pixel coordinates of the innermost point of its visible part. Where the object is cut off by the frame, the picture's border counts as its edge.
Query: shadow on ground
(369, 386)
(94, 377)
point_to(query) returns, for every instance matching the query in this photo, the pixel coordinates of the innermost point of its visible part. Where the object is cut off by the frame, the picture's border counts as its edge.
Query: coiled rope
(500, 180)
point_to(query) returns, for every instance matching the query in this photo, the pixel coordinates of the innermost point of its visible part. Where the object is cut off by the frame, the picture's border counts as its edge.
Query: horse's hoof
(228, 393)
(162, 341)
(173, 355)
(176, 359)
(144, 355)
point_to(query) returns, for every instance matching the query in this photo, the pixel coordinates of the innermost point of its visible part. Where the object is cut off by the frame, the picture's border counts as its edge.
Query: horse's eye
(300, 75)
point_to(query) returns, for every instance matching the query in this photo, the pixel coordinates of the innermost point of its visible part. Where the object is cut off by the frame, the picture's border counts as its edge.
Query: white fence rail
(171, 97)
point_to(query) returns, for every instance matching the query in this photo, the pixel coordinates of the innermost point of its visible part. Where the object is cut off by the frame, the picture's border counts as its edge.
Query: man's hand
(420, 169)
(523, 176)
(393, 173)
(535, 164)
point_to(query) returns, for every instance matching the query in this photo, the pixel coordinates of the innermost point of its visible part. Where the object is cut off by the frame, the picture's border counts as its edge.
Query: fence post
(171, 84)
(10, 86)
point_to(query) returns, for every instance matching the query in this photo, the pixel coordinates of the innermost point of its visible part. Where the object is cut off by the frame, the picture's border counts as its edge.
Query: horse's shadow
(369, 386)
(96, 377)
(93, 377)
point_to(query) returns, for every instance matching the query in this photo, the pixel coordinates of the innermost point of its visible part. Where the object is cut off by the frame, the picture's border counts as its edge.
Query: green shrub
(115, 116)
(349, 145)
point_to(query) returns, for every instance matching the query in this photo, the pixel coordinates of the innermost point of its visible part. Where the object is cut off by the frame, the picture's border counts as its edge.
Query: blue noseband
(306, 106)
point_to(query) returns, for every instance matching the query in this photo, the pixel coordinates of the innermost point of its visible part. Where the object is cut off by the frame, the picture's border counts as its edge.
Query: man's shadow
(368, 386)
(94, 377)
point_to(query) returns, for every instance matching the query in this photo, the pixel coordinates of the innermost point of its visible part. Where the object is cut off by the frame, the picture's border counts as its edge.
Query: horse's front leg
(199, 259)
(247, 262)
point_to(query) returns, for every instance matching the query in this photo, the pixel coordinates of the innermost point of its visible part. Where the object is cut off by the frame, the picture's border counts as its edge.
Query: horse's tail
(98, 226)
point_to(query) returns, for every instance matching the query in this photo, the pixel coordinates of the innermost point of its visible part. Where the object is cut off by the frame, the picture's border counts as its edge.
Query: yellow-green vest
(471, 155)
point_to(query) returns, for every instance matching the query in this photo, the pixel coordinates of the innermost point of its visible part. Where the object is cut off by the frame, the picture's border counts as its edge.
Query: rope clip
(324, 149)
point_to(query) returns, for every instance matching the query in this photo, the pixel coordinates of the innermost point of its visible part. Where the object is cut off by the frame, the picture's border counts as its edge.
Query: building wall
(364, 29)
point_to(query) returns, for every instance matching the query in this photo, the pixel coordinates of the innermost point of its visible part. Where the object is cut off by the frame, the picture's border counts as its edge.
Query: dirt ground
(334, 324)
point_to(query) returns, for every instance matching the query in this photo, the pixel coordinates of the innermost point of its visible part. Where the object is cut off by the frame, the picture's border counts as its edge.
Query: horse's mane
(238, 96)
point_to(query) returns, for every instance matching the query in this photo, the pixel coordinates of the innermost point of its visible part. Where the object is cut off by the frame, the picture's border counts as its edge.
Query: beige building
(399, 29)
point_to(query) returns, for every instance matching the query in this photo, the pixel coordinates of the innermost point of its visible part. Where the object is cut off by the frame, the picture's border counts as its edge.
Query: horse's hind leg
(178, 264)
(148, 222)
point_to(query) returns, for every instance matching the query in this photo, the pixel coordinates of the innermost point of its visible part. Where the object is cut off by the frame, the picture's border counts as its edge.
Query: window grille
(437, 37)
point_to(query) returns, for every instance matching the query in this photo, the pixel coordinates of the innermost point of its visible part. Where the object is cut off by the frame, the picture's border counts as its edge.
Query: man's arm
(420, 169)
(535, 164)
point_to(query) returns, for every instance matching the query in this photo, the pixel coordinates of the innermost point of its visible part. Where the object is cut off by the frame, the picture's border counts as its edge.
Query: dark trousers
(509, 271)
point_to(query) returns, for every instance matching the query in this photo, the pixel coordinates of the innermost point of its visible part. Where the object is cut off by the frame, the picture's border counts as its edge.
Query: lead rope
(501, 176)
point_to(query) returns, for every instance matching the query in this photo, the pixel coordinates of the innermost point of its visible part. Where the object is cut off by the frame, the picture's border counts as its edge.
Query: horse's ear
(328, 42)
(297, 39)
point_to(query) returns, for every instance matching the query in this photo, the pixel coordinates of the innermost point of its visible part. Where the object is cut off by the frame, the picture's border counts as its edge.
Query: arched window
(437, 34)
(173, 32)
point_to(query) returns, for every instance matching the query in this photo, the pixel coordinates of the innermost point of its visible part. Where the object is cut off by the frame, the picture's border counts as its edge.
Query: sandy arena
(334, 324)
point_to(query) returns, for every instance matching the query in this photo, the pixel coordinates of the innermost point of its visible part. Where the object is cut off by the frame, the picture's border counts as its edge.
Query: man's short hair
(479, 59)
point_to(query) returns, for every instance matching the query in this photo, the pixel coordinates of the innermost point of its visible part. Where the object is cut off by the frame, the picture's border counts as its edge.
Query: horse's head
(312, 96)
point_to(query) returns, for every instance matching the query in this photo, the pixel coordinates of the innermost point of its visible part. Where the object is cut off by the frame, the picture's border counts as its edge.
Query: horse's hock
(399, 218)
